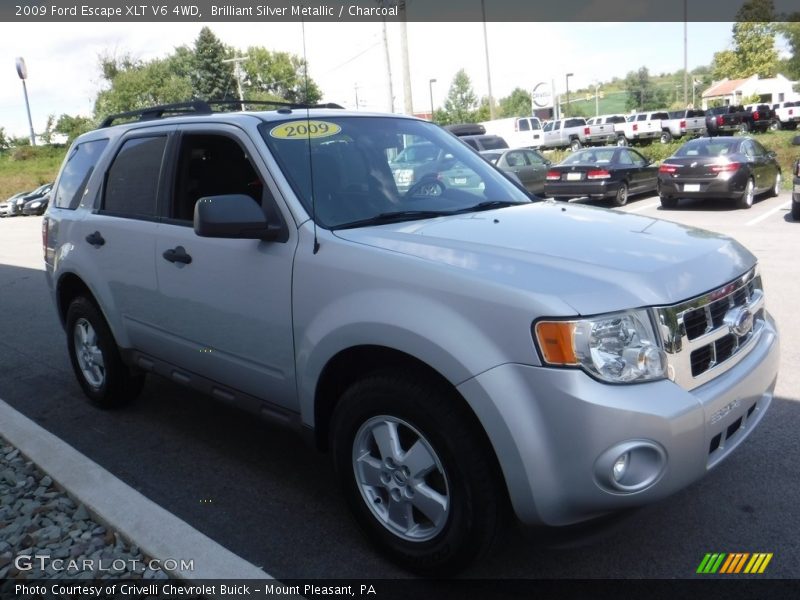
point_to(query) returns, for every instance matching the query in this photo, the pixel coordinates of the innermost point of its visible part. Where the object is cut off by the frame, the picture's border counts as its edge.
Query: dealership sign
(542, 96)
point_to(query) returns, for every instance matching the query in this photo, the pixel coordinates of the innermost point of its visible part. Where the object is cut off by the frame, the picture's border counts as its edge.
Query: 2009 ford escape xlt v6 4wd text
(455, 346)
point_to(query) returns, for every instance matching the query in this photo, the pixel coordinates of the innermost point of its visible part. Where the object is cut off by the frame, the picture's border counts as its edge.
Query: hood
(594, 259)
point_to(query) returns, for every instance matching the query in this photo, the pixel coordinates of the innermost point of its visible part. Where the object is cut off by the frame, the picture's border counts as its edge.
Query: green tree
(790, 30)
(516, 104)
(461, 101)
(138, 85)
(47, 134)
(4, 141)
(211, 79)
(642, 94)
(753, 51)
(277, 76)
(72, 127)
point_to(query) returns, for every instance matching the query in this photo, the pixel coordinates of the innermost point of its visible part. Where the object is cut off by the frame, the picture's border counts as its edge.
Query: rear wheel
(666, 137)
(746, 199)
(95, 358)
(575, 145)
(413, 469)
(622, 140)
(621, 197)
(744, 127)
(667, 202)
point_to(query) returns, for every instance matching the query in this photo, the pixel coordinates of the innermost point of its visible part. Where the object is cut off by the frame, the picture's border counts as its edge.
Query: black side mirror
(232, 216)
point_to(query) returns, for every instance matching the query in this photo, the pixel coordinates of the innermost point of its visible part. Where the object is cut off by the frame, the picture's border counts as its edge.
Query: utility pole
(355, 87)
(488, 68)
(685, 55)
(408, 104)
(388, 67)
(238, 71)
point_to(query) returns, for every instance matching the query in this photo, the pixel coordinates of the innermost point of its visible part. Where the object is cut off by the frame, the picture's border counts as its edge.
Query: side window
(548, 126)
(515, 159)
(211, 165)
(636, 158)
(625, 158)
(76, 173)
(748, 149)
(132, 179)
(758, 149)
(533, 158)
(557, 125)
(524, 125)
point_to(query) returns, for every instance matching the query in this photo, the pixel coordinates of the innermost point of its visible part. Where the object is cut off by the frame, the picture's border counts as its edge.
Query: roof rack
(200, 107)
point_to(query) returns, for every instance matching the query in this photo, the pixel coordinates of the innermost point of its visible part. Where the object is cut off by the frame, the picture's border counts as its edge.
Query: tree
(47, 134)
(459, 107)
(516, 104)
(211, 79)
(753, 51)
(642, 95)
(4, 141)
(277, 76)
(790, 30)
(72, 127)
(138, 85)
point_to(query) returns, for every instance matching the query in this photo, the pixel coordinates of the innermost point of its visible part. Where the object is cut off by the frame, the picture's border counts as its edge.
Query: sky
(64, 77)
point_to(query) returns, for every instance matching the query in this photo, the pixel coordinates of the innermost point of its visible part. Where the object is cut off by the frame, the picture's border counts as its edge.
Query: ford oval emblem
(740, 321)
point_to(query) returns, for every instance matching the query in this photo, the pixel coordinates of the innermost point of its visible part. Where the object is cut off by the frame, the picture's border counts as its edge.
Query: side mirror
(232, 216)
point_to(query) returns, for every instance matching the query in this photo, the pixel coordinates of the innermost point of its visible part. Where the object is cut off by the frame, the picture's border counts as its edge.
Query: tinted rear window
(717, 146)
(76, 173)
(132, 181)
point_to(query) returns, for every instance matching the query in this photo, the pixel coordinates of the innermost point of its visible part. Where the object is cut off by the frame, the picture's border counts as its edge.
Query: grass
(779, 142)
(25, 168)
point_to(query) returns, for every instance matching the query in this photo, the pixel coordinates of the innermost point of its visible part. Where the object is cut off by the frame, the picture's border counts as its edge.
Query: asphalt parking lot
(260, 492)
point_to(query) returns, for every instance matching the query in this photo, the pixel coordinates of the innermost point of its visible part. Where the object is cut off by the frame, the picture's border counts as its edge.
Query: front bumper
(552, 428)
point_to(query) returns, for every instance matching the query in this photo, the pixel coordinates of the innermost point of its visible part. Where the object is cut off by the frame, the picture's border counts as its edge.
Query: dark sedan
(735, 168)
(15, 206)
(598, 173)
(528, 165)
(36, 206)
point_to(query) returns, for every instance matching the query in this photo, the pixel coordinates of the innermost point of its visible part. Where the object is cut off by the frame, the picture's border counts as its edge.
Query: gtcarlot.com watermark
(27, 562)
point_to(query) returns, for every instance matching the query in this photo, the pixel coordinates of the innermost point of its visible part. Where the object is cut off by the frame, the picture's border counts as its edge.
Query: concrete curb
(157, 532)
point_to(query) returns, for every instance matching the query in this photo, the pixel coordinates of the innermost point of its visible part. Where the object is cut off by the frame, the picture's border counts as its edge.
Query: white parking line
(645, 207)
(769, 213)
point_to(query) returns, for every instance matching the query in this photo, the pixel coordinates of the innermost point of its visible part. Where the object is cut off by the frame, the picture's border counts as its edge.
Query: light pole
(566, 106)
(237, 67)
(488, 69)
(430, 90)
(22, 71)
(596, 103)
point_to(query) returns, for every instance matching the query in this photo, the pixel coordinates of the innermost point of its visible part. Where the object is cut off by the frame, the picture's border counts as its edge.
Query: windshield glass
(592, 156)
(369, 167)
(718, 146)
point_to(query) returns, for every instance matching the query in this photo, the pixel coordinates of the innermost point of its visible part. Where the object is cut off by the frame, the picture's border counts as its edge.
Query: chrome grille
(705, 336)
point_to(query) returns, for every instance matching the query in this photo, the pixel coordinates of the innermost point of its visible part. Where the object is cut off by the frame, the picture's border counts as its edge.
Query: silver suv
(455, 346)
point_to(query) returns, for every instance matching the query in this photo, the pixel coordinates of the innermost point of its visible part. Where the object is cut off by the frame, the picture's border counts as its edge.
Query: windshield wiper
(488, 205)
(397, 216)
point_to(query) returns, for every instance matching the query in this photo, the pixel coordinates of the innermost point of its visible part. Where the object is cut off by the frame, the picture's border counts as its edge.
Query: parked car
(691, 122)
(796, 184)
(36, 206)
(641, 128)
(529, 166)
(787, 115)
(460, 356)
(484, 142)
(416, 161)
(574, 133)
(597, 173)
(5, 207)
(724, 120)
(15, 206)
(519, 132)
(737, 168)
(757, 118)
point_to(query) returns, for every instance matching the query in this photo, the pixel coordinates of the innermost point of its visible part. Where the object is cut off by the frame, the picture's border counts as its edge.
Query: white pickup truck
(787, 115)
(519, 132)
(575, 133)
(640, 127)
(690, 122)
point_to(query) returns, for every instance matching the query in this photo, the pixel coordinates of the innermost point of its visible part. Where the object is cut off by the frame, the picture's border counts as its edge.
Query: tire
(746, 200)
(744, 127)
(621, 197)
(95, 358)
(776, 189)
(461, 495)
(666, 137)
(667, 202)
(622, 140)
(575, 145)
(796, 212)
(775, 125)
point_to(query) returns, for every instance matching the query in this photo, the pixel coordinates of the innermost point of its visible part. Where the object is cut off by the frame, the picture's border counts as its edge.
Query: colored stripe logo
(734, 563)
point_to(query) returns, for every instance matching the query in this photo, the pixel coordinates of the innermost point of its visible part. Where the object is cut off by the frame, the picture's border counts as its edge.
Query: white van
(519, 132)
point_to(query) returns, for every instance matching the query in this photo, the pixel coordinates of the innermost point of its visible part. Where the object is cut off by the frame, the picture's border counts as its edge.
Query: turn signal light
(667, 169)
(598, 174)
(725, 168)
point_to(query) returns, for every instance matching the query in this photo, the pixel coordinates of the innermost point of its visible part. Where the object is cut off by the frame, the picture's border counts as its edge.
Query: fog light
(621, 466)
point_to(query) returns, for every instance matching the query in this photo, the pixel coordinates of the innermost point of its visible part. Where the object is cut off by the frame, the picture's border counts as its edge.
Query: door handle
(95, 239)
(177, 255)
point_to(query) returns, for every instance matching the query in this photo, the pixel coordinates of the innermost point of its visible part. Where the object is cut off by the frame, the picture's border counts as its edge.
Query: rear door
(539, 167)
(225, 315)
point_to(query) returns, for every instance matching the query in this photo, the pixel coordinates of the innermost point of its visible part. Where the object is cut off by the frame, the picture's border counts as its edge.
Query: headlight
(36, 204)
(617, 348)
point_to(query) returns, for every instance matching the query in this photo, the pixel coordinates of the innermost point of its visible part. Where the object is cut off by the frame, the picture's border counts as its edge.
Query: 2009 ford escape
(454, 345)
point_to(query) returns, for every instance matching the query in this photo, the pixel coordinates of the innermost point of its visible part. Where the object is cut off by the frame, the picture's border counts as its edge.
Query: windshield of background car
(366, 167)
(709, 147)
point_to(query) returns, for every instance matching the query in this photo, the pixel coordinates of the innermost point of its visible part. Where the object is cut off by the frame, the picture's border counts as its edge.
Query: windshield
(590, 157)
(371, 167)
(717, 146)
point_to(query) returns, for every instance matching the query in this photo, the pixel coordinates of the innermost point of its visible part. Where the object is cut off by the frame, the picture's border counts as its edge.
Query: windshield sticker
(302, 130)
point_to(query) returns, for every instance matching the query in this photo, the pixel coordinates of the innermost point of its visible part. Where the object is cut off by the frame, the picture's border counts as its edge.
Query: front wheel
(415, 472)
(95, 358)
(776, 189)
(746, 199)
(622, 140)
